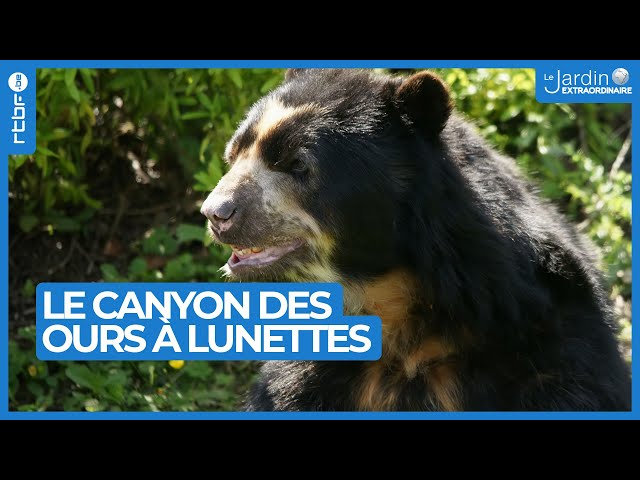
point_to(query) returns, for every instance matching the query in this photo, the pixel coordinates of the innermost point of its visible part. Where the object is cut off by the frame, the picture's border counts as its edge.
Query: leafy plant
(87, 117)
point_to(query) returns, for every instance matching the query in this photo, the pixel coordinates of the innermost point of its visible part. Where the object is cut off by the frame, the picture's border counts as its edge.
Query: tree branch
(622, 154)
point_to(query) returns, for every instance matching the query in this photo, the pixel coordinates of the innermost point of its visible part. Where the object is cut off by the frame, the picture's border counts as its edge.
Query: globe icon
(620, 76)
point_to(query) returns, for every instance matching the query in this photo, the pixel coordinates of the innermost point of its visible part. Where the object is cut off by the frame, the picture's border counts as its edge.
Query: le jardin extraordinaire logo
(590, 82)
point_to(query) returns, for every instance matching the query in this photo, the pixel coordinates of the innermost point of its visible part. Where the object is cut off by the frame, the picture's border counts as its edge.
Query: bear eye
(298, 166)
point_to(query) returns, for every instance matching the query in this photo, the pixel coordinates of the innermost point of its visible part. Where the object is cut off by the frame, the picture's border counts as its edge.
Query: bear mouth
(256, 257)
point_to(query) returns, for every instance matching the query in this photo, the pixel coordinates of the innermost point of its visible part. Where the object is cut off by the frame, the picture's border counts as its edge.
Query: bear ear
(425, 99)
(292, 73)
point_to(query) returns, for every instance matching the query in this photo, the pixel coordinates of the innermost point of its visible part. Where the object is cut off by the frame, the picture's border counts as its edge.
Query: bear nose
(219, 214)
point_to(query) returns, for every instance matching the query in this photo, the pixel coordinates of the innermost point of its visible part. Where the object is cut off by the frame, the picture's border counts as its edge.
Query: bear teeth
(241, 252)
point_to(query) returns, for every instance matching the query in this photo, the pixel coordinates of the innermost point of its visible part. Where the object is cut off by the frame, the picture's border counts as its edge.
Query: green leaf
(86, 141)
(223, 379)
(88, 81)
(187, 101)
(69, 80)
(195, 115)
(175, 109)
(204, 100)
(137, 267)
(66, 224)
(198, 370)
(60, 133)
(84, 377)
(203, 146)
(236, 78)
(159, 242)
(16, 161)
(27, 222)
(42, 163)
(115, 392)
(36, 389)
(269, 84)
(70, 76)
(180, 269)
(120, 82)
(205, 183)
(109, 273)
(68, 165)
(45, 151)
(189, 233)
(28, 289)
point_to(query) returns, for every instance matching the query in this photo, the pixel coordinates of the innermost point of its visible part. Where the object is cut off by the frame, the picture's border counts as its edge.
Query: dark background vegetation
(125, 158)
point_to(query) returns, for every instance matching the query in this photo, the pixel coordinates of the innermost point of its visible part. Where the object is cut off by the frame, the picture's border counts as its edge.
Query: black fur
(401, 182)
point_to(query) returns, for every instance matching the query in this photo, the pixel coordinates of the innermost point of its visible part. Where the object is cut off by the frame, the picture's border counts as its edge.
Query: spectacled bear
(489, 298)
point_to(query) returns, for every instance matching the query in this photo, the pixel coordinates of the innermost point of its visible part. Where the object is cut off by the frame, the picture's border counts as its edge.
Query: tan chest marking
(380, 388)
(443, 380)
(376, 393)
(391, 298)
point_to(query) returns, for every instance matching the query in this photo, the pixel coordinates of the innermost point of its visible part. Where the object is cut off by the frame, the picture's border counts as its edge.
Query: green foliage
(87, 117)
(35, 385)
(124, 158)
(160, 257)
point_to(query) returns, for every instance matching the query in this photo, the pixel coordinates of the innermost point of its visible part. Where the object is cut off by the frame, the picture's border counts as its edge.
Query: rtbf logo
(18, 82)
(590, 82)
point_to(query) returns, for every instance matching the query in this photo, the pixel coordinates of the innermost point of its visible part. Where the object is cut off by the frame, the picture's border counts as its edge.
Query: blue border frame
(633, 66)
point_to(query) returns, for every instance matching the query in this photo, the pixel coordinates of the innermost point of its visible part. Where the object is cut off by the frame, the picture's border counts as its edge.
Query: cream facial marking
(258, 126)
